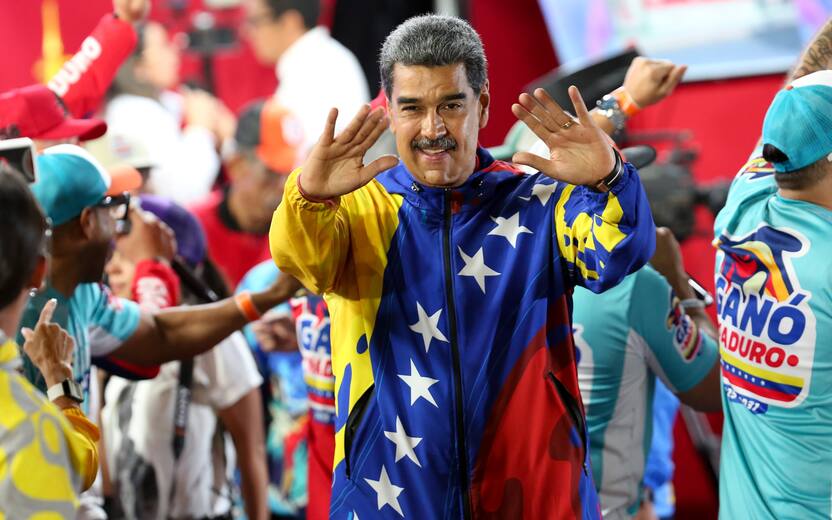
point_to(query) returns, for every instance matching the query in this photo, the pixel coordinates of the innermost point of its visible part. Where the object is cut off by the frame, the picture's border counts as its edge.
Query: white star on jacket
(387, 493)
(475, 266)
(419, 385)
(544, 191)
(404, 443)
(427, 326)
(509, 228)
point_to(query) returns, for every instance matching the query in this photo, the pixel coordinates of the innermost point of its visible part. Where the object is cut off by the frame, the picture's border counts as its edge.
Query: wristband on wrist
(607, 183)
(626, 103)
(328, 202)
(246, 306)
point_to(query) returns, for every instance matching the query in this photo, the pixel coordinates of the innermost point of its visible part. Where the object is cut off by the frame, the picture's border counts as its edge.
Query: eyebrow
(449, 97)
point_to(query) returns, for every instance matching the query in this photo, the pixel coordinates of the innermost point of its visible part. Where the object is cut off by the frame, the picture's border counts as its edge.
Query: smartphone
(700, 291)
(20, 155)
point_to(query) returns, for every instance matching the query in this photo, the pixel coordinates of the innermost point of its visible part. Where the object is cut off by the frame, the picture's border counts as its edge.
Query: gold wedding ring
(567, 125)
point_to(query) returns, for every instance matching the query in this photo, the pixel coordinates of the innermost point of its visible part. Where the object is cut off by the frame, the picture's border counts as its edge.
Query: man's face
(266, 34)
(260, 190)
(100, 244)
(436, 117)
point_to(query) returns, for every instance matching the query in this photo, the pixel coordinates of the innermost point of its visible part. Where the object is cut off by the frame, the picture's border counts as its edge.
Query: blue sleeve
(659, 467)
(111, 320)
(675, 349)
(603, 237)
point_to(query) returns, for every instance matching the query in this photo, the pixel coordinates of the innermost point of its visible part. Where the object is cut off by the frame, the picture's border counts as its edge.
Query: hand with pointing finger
(335, 165)
(49, 347)
(579, 151)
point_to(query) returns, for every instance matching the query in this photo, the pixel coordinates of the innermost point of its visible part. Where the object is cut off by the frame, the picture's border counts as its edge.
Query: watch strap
(607, 183)
(66, 388)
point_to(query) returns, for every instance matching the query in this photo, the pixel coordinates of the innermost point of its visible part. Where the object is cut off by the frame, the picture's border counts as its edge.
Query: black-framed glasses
(119, 208)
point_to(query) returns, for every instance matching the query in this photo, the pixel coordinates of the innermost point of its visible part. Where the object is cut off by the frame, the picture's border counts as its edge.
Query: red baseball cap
(36, 112)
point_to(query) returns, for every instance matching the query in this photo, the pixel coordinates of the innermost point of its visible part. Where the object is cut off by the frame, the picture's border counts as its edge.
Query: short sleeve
(231, 369)
(676, 350)
(111, 322)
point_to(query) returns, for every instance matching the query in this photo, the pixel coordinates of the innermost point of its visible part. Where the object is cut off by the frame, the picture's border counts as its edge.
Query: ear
(38, 278)
(485, 103)
(88, 223)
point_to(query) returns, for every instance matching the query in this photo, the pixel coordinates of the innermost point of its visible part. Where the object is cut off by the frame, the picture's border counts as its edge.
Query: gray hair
(434, 41)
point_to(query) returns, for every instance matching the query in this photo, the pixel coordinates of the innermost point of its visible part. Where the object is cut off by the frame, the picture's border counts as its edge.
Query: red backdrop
(723, 117)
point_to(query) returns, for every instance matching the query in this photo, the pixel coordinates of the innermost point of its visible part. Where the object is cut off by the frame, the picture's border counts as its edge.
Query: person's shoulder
(27, 400)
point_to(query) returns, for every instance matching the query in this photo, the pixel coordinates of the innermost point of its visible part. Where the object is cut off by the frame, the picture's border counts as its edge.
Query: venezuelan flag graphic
(759, 381)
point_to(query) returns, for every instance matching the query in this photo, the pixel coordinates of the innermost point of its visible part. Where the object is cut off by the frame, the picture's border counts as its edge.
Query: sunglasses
(119, 208)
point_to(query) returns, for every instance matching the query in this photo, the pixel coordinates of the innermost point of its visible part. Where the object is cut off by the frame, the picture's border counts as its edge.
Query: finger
(560, 115)
(385, 162)
(529, 159)
(27, 333)
(348, 134)
(69, 346)
(47, 311)
(580, 107)
(381, 126)
(675, 77)
(328, 134)
(368, 126)
(530, 121)
(549, 120)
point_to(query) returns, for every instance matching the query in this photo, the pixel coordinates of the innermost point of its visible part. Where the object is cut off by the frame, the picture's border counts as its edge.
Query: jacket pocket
(573, 408)
(353, 422)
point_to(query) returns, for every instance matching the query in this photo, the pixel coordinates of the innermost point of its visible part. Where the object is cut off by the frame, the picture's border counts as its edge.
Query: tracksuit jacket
(456, 390)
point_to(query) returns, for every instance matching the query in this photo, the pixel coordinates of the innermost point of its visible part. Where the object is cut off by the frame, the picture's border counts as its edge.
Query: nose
(433, 126)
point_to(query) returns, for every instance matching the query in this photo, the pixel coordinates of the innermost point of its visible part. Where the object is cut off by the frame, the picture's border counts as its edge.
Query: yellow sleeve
(83, 448)
(309, 240)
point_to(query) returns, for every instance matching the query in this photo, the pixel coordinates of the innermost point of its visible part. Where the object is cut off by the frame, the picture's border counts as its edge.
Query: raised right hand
(335, 165)
(49, 347)
(149, 238)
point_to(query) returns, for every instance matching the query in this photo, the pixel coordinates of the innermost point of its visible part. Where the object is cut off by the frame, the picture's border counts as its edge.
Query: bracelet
(246, 306)
(692, 303)
(328, 202)
(607, 183)
(626, 103)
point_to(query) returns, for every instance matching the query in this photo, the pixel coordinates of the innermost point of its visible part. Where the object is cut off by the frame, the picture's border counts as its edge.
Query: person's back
(773, 303)
(626, 337)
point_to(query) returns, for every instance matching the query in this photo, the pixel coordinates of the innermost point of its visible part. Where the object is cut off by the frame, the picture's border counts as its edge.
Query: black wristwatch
(615, 176)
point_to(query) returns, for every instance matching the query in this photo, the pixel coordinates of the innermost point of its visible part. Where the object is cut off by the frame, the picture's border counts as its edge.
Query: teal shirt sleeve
(111, 320)
(676, 350)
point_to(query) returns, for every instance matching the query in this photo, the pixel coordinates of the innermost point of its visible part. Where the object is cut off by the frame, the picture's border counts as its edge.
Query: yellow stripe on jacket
(340, 251)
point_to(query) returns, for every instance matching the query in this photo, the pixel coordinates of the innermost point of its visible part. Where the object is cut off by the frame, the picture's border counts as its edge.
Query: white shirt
(186, 161)
(138, 426)
(315, 74)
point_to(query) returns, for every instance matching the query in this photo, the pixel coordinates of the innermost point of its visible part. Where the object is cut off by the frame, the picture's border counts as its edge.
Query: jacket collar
(479, 186)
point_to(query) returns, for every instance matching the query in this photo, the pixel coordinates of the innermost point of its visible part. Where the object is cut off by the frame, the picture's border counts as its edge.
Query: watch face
(73, 390)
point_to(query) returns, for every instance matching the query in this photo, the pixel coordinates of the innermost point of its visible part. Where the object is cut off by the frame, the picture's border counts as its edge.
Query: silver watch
(609, 108)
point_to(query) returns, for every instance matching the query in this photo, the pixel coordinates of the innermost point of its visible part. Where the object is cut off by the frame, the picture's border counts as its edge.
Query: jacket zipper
(462, 450)
(571, 405)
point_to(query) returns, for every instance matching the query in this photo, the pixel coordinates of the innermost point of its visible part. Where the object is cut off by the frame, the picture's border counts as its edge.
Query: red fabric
(155, 286)
(85, 78)
(321, 444)
(234, 252)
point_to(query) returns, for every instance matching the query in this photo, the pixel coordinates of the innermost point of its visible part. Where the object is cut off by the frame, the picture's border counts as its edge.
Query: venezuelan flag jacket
(456, 390)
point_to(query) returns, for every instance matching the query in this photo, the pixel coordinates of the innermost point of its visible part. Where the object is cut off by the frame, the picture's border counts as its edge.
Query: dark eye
(409, 108)
(453, 106)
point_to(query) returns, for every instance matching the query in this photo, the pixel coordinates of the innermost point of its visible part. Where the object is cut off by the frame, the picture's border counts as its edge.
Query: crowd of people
(327, 306)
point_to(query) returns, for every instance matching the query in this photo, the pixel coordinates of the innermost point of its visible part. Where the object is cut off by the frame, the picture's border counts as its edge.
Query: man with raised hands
(448, 278)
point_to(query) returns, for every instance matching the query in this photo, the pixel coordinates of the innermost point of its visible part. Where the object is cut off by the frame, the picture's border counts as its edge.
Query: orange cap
(123, 178)
(280, 137)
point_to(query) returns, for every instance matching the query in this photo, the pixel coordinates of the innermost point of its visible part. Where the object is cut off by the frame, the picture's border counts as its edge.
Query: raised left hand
(579, 151)
(648, 81)
(49, 347)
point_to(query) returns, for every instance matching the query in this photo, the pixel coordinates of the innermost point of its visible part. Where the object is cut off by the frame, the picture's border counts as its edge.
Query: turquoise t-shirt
(626, 337)
(774, 302)
(97, 321)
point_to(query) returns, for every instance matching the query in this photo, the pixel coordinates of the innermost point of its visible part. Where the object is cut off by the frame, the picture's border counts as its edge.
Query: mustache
(445, 142)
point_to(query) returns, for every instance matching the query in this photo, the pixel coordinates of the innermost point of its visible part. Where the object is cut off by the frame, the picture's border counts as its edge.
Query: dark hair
(802, 179)
(22, 228)
(310, 10)
(434, 41)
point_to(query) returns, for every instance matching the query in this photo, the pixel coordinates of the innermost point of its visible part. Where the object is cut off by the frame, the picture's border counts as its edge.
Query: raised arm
(603, 226)
(309, 236)
(818, 55)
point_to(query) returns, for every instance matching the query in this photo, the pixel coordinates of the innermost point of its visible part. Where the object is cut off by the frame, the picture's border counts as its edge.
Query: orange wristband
(246, 306)
(626, 103)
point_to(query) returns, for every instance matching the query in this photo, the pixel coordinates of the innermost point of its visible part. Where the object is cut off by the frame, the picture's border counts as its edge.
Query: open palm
(579, 151)
(335, 165)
